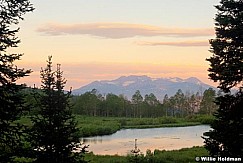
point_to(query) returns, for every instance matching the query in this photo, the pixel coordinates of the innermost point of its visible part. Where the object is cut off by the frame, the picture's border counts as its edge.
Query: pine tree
(226, 64)
(226, 136)
(11, 99)
(54, 131)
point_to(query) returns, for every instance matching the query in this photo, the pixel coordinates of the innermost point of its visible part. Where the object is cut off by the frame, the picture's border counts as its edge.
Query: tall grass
(94, 126)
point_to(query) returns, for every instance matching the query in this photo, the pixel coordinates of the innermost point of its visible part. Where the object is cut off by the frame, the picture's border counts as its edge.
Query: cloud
(121, 30)
(180, 43)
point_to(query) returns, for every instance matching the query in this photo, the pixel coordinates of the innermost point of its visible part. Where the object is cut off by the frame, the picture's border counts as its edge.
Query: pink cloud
(180, 43)
(121, 30)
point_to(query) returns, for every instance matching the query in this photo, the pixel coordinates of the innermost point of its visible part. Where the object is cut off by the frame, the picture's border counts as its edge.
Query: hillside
(127, 85)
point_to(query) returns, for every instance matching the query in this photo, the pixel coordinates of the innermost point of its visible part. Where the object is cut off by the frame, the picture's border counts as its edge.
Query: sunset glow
(105, 39)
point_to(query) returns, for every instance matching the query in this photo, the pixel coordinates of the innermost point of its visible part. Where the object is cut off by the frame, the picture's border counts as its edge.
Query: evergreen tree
(11, 99)
(227, 48)
(54, 133)
(226, 138)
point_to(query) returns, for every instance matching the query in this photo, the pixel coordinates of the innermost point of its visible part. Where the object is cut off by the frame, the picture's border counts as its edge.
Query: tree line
(181, 104)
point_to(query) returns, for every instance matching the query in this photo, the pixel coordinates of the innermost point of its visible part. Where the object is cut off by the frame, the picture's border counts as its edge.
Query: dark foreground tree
(11, 99)
(54, 133)
(227, 48)
(226, 138)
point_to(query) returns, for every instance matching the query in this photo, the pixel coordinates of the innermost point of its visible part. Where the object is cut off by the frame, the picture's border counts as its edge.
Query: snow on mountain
(193, 80)
(176, 79)
(127, 85)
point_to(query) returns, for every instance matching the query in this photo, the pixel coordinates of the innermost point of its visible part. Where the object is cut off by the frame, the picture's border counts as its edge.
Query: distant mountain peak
(127, 85)
(193, 80)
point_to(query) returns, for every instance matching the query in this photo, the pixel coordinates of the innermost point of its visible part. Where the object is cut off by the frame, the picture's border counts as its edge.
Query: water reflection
(122, 142)
(93, 140)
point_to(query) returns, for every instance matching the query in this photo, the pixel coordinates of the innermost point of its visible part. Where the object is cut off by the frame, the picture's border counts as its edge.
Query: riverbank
(184, 155)
(98, 126)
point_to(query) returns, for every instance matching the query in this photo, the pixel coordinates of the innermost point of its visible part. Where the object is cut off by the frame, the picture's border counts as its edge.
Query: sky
(106, 39)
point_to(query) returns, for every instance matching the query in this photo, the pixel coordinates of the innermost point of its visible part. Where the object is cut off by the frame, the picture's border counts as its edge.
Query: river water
(169, 138)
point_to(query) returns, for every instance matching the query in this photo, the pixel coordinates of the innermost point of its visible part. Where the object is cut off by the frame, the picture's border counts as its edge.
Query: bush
(22, 160)
(167, 120)
(203, 119)
(123, 122)
(95, 130)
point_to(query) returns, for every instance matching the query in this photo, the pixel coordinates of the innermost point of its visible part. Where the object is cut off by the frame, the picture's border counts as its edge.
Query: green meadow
(93, 126)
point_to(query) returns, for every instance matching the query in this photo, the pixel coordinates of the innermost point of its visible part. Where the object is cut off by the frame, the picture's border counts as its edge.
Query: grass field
(92, 126)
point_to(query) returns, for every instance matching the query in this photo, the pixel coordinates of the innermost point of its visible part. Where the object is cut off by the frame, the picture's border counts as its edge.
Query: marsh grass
(97, 126)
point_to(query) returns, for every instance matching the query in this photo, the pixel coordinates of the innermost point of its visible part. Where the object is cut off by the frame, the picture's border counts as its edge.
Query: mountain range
(127, 85)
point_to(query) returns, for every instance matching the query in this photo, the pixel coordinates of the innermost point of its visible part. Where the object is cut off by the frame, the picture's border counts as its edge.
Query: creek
(167, 138)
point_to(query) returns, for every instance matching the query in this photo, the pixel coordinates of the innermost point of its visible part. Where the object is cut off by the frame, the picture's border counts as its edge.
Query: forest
(180, 105)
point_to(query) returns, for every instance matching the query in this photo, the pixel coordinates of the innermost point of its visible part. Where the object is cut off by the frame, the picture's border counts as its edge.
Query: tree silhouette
(226, 138)
(226, 64)
(11, 99)
(54, 133)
